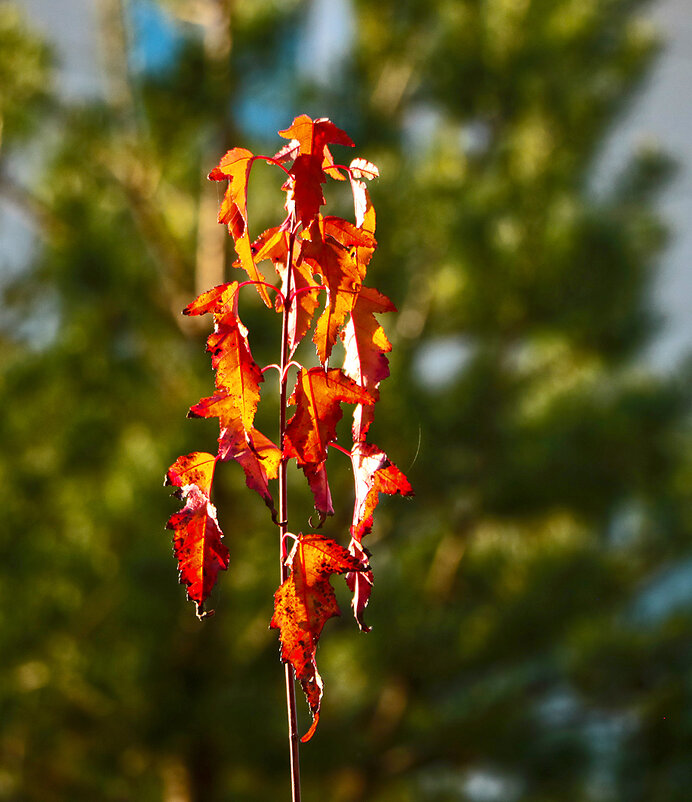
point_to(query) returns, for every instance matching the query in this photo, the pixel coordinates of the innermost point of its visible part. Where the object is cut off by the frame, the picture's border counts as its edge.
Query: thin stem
(340, 448)
(293, 740)
(269, 160)
(264, 284)
(305, 289)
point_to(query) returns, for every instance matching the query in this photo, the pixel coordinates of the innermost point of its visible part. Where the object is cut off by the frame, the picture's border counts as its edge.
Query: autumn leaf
(365, 346)
(373, 474)
(360, 583)
(316, 474)
(339, 271)
(302, 606)
(365, 340)
(304, 301)
(313, 135)
(304, 188)
(271, 244)
(216, 300)
(235, 167)
(235, 403)
(197, 538)
(318, 395)
(255, 453)
(360, 243)
(259, 458)
(238, 376)
(309, 141)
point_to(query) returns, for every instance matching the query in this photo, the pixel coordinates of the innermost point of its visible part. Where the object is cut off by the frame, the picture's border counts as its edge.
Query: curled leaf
(373, 474)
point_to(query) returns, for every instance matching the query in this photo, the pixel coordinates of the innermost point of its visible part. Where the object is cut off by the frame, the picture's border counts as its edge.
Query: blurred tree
(515, 654)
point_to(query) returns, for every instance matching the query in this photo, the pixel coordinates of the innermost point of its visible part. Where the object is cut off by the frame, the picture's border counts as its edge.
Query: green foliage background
(514, 654)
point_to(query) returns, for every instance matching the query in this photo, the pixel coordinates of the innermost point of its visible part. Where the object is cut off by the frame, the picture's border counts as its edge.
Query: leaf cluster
(320, 261)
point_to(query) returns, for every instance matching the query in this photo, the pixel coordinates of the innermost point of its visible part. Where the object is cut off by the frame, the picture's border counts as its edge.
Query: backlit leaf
(373, 474)
(313, 135)
(197, 538)
(318, 395)
(365, 340)
(309, 141)
(235, 166)
(334, 262)
(302, 606)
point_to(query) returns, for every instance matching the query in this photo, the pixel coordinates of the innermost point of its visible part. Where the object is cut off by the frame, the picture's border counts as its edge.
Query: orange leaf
(302, 606)
(235, 166)
(313, 135)
(215, 300)
(339, 271)
(238, 376)
(197, 538)
(373, 474)
(304, 188)
(254, 452)
(235, 404)
(365, 341)
(360, 584)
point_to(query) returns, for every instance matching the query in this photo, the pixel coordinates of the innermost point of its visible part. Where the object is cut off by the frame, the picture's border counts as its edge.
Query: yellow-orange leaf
(235, 166)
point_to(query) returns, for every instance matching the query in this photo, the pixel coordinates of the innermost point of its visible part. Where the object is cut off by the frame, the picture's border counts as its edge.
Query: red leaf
(197, 539)
(302, 606)
(317, 480)
(260, 459)
(254, 452)
(235, 404)
(271, 244)
(235, 166)
(318, 395)
(373, 474)
(304, 302)
(350, 236)
(360, 584)
(309, 140)
(304, 188)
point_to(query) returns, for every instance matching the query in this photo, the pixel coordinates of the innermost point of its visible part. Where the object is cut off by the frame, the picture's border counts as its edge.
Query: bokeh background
(532, 612)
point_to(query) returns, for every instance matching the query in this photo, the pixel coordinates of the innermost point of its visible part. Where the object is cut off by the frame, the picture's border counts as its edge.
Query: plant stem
(293, 741)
